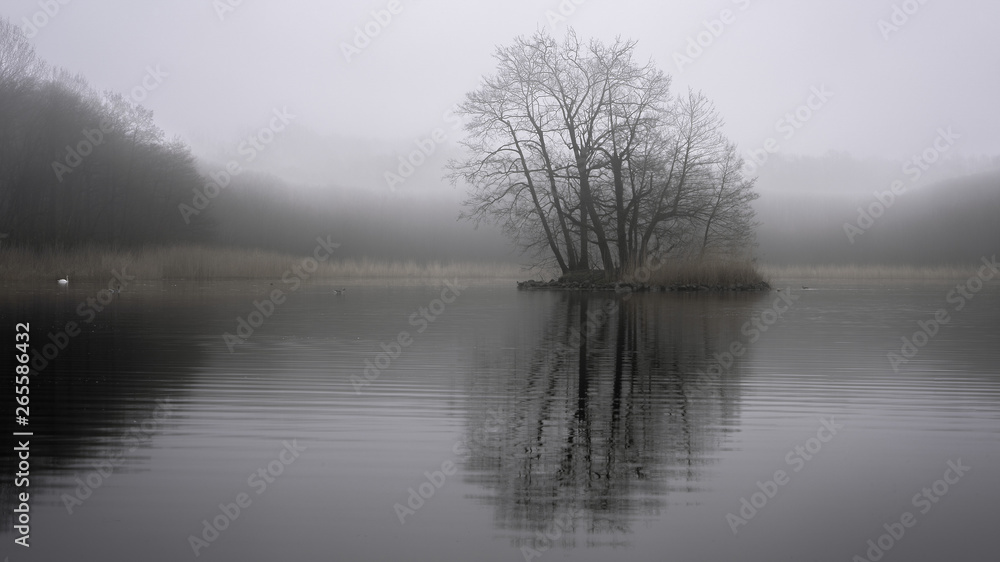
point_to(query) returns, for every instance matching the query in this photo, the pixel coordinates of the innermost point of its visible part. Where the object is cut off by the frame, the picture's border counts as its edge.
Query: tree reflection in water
(597, 413)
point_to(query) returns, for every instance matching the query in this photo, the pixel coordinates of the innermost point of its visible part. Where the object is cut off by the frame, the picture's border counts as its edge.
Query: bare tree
(19, 66)
(729, 226)
(580, 153)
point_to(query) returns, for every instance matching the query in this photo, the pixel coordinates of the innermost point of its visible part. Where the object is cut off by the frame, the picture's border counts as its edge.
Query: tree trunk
(621, 218)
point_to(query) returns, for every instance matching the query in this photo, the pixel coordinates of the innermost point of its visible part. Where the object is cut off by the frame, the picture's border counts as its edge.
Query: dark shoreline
(622, 287)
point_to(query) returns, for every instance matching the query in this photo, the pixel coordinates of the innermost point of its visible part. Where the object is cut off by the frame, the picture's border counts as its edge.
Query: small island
(727, 277)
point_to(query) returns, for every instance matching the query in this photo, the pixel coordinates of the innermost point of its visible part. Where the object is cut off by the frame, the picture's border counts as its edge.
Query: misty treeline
(584, 156)
(819, 210)
(78, 165)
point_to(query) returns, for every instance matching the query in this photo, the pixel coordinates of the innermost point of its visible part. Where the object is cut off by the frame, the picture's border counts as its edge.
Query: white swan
(64, 281)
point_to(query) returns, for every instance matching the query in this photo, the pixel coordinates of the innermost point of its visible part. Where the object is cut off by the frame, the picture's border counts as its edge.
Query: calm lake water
(678, 427)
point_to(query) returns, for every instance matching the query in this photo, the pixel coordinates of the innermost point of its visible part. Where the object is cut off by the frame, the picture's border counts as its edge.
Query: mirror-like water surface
(387, 424)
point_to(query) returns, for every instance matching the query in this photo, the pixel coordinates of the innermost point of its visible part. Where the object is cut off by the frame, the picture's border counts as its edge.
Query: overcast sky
(889, 89)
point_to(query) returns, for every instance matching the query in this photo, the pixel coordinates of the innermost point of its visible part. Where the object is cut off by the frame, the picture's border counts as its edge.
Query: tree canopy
(583, 156)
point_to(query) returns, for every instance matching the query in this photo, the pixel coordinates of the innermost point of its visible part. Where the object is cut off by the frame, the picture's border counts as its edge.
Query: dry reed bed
(201, 262)
(710, 274)
(873, 272)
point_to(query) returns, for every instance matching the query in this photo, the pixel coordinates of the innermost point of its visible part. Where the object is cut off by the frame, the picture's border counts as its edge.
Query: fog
(236, 230)
(828, 104)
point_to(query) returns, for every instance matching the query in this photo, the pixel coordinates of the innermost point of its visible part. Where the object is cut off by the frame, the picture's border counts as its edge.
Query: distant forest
(78, 166)
(954, 219)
